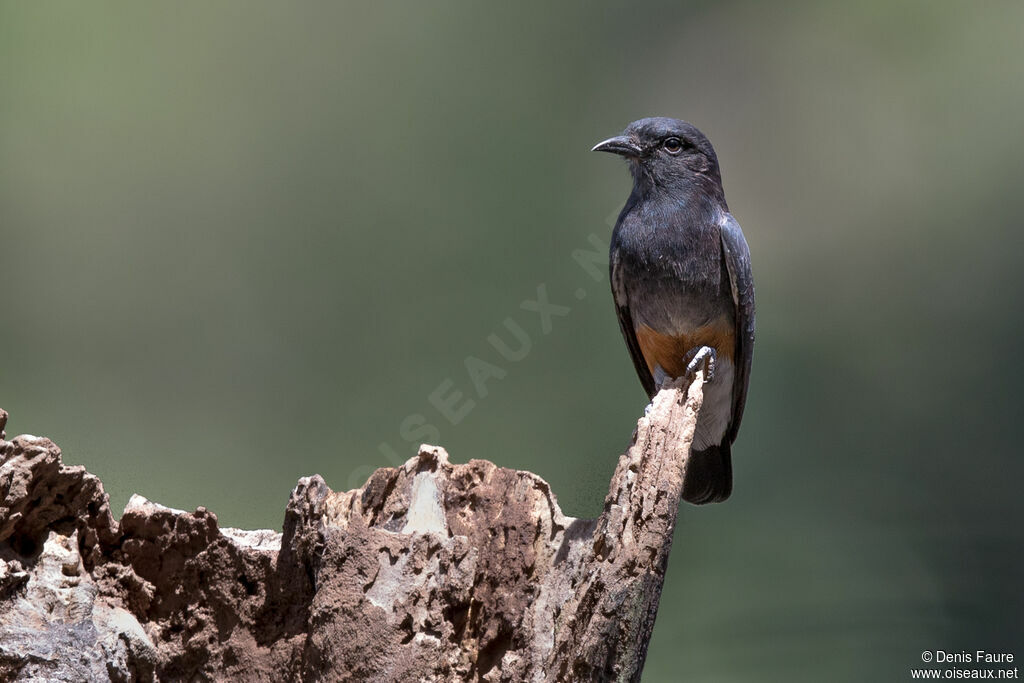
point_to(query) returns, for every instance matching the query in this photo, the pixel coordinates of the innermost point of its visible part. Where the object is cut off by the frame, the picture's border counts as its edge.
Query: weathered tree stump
(429, 572)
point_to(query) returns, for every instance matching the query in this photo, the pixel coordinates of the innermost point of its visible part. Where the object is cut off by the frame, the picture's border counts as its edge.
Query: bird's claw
(706, 356)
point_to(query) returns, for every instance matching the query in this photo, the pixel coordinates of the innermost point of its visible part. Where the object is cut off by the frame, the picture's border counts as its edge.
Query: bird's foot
(706, 356)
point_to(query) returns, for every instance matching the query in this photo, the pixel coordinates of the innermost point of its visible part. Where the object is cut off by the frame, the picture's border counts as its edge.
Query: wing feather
(741, 278)
(626, 325)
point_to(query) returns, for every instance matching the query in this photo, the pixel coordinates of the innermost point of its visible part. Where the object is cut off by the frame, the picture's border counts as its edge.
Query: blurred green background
(244, 242)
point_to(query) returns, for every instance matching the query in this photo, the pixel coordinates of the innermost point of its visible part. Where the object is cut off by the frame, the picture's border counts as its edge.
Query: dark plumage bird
(684, 293)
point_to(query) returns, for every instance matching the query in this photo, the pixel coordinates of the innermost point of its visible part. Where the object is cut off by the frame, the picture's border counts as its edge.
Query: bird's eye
(673, 145)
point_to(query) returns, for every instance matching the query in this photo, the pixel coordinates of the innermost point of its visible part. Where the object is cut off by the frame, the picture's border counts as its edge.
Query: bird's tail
(708, 477)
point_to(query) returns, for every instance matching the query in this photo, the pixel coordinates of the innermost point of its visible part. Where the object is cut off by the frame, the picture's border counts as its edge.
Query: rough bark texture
(429, 572)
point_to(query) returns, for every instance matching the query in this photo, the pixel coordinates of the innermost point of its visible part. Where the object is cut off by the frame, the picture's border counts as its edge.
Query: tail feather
(708, 475)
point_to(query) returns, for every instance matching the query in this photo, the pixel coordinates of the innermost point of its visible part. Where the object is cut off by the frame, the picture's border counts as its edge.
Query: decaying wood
(432, 571)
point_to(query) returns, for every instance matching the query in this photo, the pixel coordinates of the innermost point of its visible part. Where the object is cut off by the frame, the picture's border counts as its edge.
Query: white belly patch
(716, 412)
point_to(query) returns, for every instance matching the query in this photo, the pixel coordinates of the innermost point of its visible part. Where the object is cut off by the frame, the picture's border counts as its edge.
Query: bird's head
(666, 152)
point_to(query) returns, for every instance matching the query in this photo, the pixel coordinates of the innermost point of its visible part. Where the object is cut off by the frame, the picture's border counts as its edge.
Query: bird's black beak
(620, 144)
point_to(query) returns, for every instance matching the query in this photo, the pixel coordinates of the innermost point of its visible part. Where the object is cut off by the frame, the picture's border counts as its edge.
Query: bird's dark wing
(737, 261)
(626, 325)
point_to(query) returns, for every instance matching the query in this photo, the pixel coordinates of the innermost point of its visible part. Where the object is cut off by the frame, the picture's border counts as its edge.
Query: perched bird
(684, 292)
